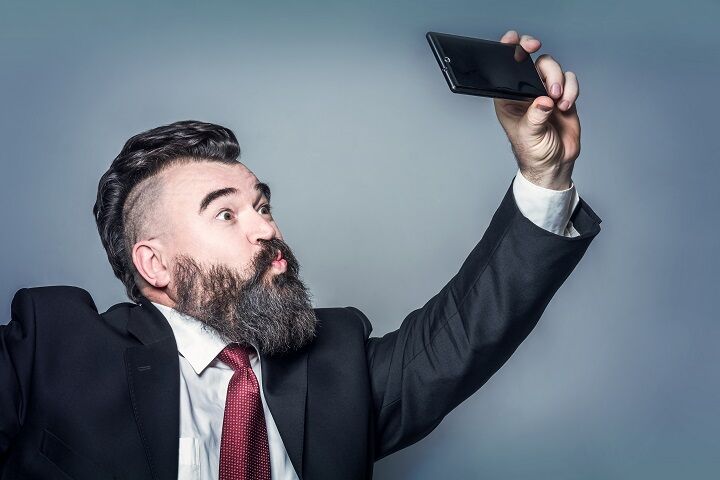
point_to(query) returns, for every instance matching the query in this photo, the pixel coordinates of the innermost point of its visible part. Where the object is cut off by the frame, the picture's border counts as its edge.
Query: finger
(511, 36)
(526, 44)
(530, 44)
(538, 114)
(568, 122)
(571, 90)
(551, 72)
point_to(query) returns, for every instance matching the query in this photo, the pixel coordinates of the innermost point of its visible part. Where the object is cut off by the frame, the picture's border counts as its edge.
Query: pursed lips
(279, 261)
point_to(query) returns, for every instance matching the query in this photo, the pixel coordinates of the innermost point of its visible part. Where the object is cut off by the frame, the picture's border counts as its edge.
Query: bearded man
(220, 367)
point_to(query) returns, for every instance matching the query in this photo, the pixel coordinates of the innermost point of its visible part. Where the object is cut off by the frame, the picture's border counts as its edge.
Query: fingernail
(544, 108)
(555, 90)
(565, 104)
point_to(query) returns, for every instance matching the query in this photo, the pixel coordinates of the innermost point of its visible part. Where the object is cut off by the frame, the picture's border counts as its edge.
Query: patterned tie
(244, 449)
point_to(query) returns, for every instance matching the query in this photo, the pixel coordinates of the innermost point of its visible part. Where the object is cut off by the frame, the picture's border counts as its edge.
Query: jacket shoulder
(341, 320)
(55, 296)
(67, 309)
(359, 315)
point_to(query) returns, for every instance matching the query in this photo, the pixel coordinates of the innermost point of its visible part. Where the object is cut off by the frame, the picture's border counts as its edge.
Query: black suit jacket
(85, 395)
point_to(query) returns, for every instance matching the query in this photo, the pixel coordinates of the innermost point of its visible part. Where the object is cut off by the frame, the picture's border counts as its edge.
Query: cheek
(217, 245)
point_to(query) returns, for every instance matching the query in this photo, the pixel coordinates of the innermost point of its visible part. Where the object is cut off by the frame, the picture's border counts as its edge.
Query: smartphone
(473, 66)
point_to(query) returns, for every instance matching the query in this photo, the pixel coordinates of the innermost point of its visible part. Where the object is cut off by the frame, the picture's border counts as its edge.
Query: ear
(150, 263)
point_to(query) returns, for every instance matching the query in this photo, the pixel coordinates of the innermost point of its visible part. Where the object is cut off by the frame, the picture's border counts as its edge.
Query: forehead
(198, 178)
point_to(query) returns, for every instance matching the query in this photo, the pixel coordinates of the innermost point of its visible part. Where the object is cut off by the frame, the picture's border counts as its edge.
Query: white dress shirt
(547, 208)
(204, 379)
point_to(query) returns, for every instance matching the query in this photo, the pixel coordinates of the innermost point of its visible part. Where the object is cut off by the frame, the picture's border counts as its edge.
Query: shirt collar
(200, 344)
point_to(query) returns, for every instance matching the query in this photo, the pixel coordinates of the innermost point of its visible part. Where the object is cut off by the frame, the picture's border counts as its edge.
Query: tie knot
(236, 356)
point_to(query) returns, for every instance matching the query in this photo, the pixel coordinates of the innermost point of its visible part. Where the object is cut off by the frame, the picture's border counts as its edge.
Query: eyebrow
(262, 188)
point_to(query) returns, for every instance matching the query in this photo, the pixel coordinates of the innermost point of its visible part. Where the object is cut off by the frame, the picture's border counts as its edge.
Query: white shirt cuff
(547, 208)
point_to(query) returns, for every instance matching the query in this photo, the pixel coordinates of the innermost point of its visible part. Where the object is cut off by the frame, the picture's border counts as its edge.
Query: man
(221, 368)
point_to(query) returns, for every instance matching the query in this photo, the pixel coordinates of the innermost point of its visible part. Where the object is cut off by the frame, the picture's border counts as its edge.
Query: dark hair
(143, 156)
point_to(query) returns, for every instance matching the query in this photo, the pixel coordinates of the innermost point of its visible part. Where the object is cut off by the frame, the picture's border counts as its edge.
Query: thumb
(538, 114)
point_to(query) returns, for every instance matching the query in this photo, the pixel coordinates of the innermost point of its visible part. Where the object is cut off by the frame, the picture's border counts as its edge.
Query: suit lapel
(284, 379)
(154, 380)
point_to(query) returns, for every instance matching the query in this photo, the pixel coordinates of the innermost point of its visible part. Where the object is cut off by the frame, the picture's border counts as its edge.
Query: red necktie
(244, 449)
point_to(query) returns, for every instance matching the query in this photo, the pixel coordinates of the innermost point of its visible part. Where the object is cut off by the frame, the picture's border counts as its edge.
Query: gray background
(383, 181)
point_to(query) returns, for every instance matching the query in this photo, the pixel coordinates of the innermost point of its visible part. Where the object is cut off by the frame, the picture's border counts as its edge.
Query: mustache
(264, 258)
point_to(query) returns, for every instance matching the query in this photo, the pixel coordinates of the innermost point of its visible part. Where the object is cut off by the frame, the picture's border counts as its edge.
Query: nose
(261, 230)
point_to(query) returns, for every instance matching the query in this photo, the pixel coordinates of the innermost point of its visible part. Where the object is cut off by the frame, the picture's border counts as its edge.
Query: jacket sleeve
(446, 350)
(17, 351)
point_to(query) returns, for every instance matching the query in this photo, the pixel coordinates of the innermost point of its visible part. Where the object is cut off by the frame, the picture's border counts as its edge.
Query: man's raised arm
(447, 349)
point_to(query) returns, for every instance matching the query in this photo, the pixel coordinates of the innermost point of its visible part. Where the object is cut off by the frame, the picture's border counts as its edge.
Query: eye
(267, 207)
(225, 215)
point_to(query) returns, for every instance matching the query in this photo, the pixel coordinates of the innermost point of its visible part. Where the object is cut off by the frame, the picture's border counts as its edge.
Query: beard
(275, 316)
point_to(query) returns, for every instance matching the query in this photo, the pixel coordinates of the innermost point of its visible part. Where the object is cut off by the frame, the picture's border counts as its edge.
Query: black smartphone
(473, 66)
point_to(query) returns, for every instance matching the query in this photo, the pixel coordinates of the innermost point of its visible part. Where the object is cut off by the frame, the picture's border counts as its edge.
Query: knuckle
(550, 60)
(571, 79)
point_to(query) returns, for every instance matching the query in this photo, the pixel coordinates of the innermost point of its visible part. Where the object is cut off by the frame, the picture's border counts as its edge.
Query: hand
(544, 142)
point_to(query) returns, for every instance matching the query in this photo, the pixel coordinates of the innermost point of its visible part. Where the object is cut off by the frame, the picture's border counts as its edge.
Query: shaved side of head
(141, 213)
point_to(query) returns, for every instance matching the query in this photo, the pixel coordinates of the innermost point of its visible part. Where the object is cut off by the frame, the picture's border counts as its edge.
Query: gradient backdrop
(383, 181)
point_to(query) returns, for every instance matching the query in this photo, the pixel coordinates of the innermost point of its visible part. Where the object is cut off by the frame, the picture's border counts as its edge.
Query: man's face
(215, 214)
(221, 244)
